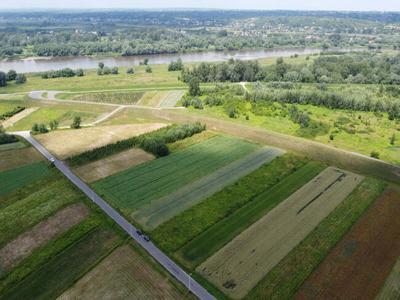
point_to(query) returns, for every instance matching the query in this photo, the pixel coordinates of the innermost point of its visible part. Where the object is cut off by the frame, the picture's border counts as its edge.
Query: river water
(85, 62)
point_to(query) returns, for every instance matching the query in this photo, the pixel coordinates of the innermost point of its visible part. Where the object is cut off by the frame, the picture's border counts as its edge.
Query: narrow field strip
(18, 117)
(391, 288)
(287, 276)
(359, 264)
(214, 238)
(13, 179)
(172, 98)
(25, 213)
(27, 242)
(59, 273)
(243, 262)
(12, 146)
(124, 274)
(181, 229)
(12, 159)
(138, 186)
(113, 164)
(163, 209)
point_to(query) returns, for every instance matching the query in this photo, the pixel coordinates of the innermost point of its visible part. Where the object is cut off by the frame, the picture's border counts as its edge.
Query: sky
(364, 5)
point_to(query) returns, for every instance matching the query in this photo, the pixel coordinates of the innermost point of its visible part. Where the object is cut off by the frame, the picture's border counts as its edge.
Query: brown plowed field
(358, 266)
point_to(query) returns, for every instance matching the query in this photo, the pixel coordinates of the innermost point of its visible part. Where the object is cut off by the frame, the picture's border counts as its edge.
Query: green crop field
(106, 97)
(42, 202)
(140, 185)
(63, 270)
(178, 231)
(287, 276)
(210, 241)
(16, 178)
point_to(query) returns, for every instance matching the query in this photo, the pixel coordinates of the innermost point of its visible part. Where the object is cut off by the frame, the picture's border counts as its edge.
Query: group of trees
(103, 70)
(66, 72)
(53, 125)
(6, 138)
(176, 65)
(361, 68)
(11, 113)
(11, 75)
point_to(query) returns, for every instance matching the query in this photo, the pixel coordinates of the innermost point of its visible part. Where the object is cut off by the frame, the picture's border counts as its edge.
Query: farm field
(161, 98)
(283, 281)
(358, 266)
(40, 234)
(216, 236)
(13, 179)
(237, 272)
(11, 159)
(163, 209)
(124, 274)
(112, 164)
(61, 271)
(106, 97)
(12, 146)
(391, 288)
(178, 231)
(23, 114)
(81, 140)
(136, 187)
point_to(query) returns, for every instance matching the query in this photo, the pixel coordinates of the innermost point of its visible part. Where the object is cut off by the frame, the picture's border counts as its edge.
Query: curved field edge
(181, 229)
(210, 241)
(286, 277)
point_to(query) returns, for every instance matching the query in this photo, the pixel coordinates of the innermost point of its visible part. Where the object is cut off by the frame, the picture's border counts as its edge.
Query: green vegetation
(178, 231)
(286, 277)
(215, 237)
(64, 269)
(16, 178)
(40, 204)
(67, 72)
(6, 138)
(11, 113)
(152, 142)
(106, 97)
(138, 186)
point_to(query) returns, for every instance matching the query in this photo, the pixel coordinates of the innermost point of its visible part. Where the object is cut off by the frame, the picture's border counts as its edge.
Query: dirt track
(332, 156)
(358, 266)
(237, 267)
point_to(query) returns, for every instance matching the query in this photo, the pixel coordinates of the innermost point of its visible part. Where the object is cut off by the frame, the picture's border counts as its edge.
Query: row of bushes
(6, 138)
(11, 113)
(153, 142)
(67, 72)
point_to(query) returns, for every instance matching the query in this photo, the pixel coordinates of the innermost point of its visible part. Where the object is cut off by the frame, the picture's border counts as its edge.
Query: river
(87, 62)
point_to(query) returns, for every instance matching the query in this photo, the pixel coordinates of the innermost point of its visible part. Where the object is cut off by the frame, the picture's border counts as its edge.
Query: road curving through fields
(262, 245)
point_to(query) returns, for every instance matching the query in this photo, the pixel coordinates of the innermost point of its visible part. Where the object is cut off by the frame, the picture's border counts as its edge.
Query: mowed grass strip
(13, 179)
(138, 186)
(289, 274)
(25, 213)
(210, 241)
(106, 97)
(178, 231)
(63, 270)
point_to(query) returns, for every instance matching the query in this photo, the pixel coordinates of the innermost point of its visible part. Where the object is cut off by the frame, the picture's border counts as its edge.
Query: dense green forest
(127, 33)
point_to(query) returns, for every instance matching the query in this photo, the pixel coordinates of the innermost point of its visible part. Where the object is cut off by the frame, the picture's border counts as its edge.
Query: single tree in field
(101, 65)
(130, 71)
(20, 79)
(393, 139)
(194, 87)
(53, 124)
(76, 123)
(11, 75)
(149, 69)
(146, 61)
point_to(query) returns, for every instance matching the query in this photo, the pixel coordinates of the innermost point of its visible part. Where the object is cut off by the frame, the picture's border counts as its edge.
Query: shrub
(375, 154)
(130, 71)
(20, 79)
(76, 123)
(149, 69)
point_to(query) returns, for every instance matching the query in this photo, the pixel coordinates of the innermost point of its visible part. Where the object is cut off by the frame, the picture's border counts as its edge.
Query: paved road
(157, 254)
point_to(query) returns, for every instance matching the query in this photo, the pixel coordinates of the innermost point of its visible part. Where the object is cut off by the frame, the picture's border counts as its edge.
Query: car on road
(146, 238)
(52, 160)
(139, 232)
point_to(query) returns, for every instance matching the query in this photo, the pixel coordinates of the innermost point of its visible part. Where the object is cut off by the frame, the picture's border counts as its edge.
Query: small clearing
(14, 119)
(161, 98)
(358, 266)
(123, 275)
(11, 159)
(113, 164)
(165, 208)
(237, 267)
(40, 234)
(66, 143)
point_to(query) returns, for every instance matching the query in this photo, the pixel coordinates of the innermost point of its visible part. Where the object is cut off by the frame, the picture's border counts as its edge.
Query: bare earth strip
(14, 119)
(26, 243)
(237, 267)
(12, 159)
(172, 98)
(122, 275)
(359, 264)
(165, 208)
(113, 164)
(391, 288)
(66, 143)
